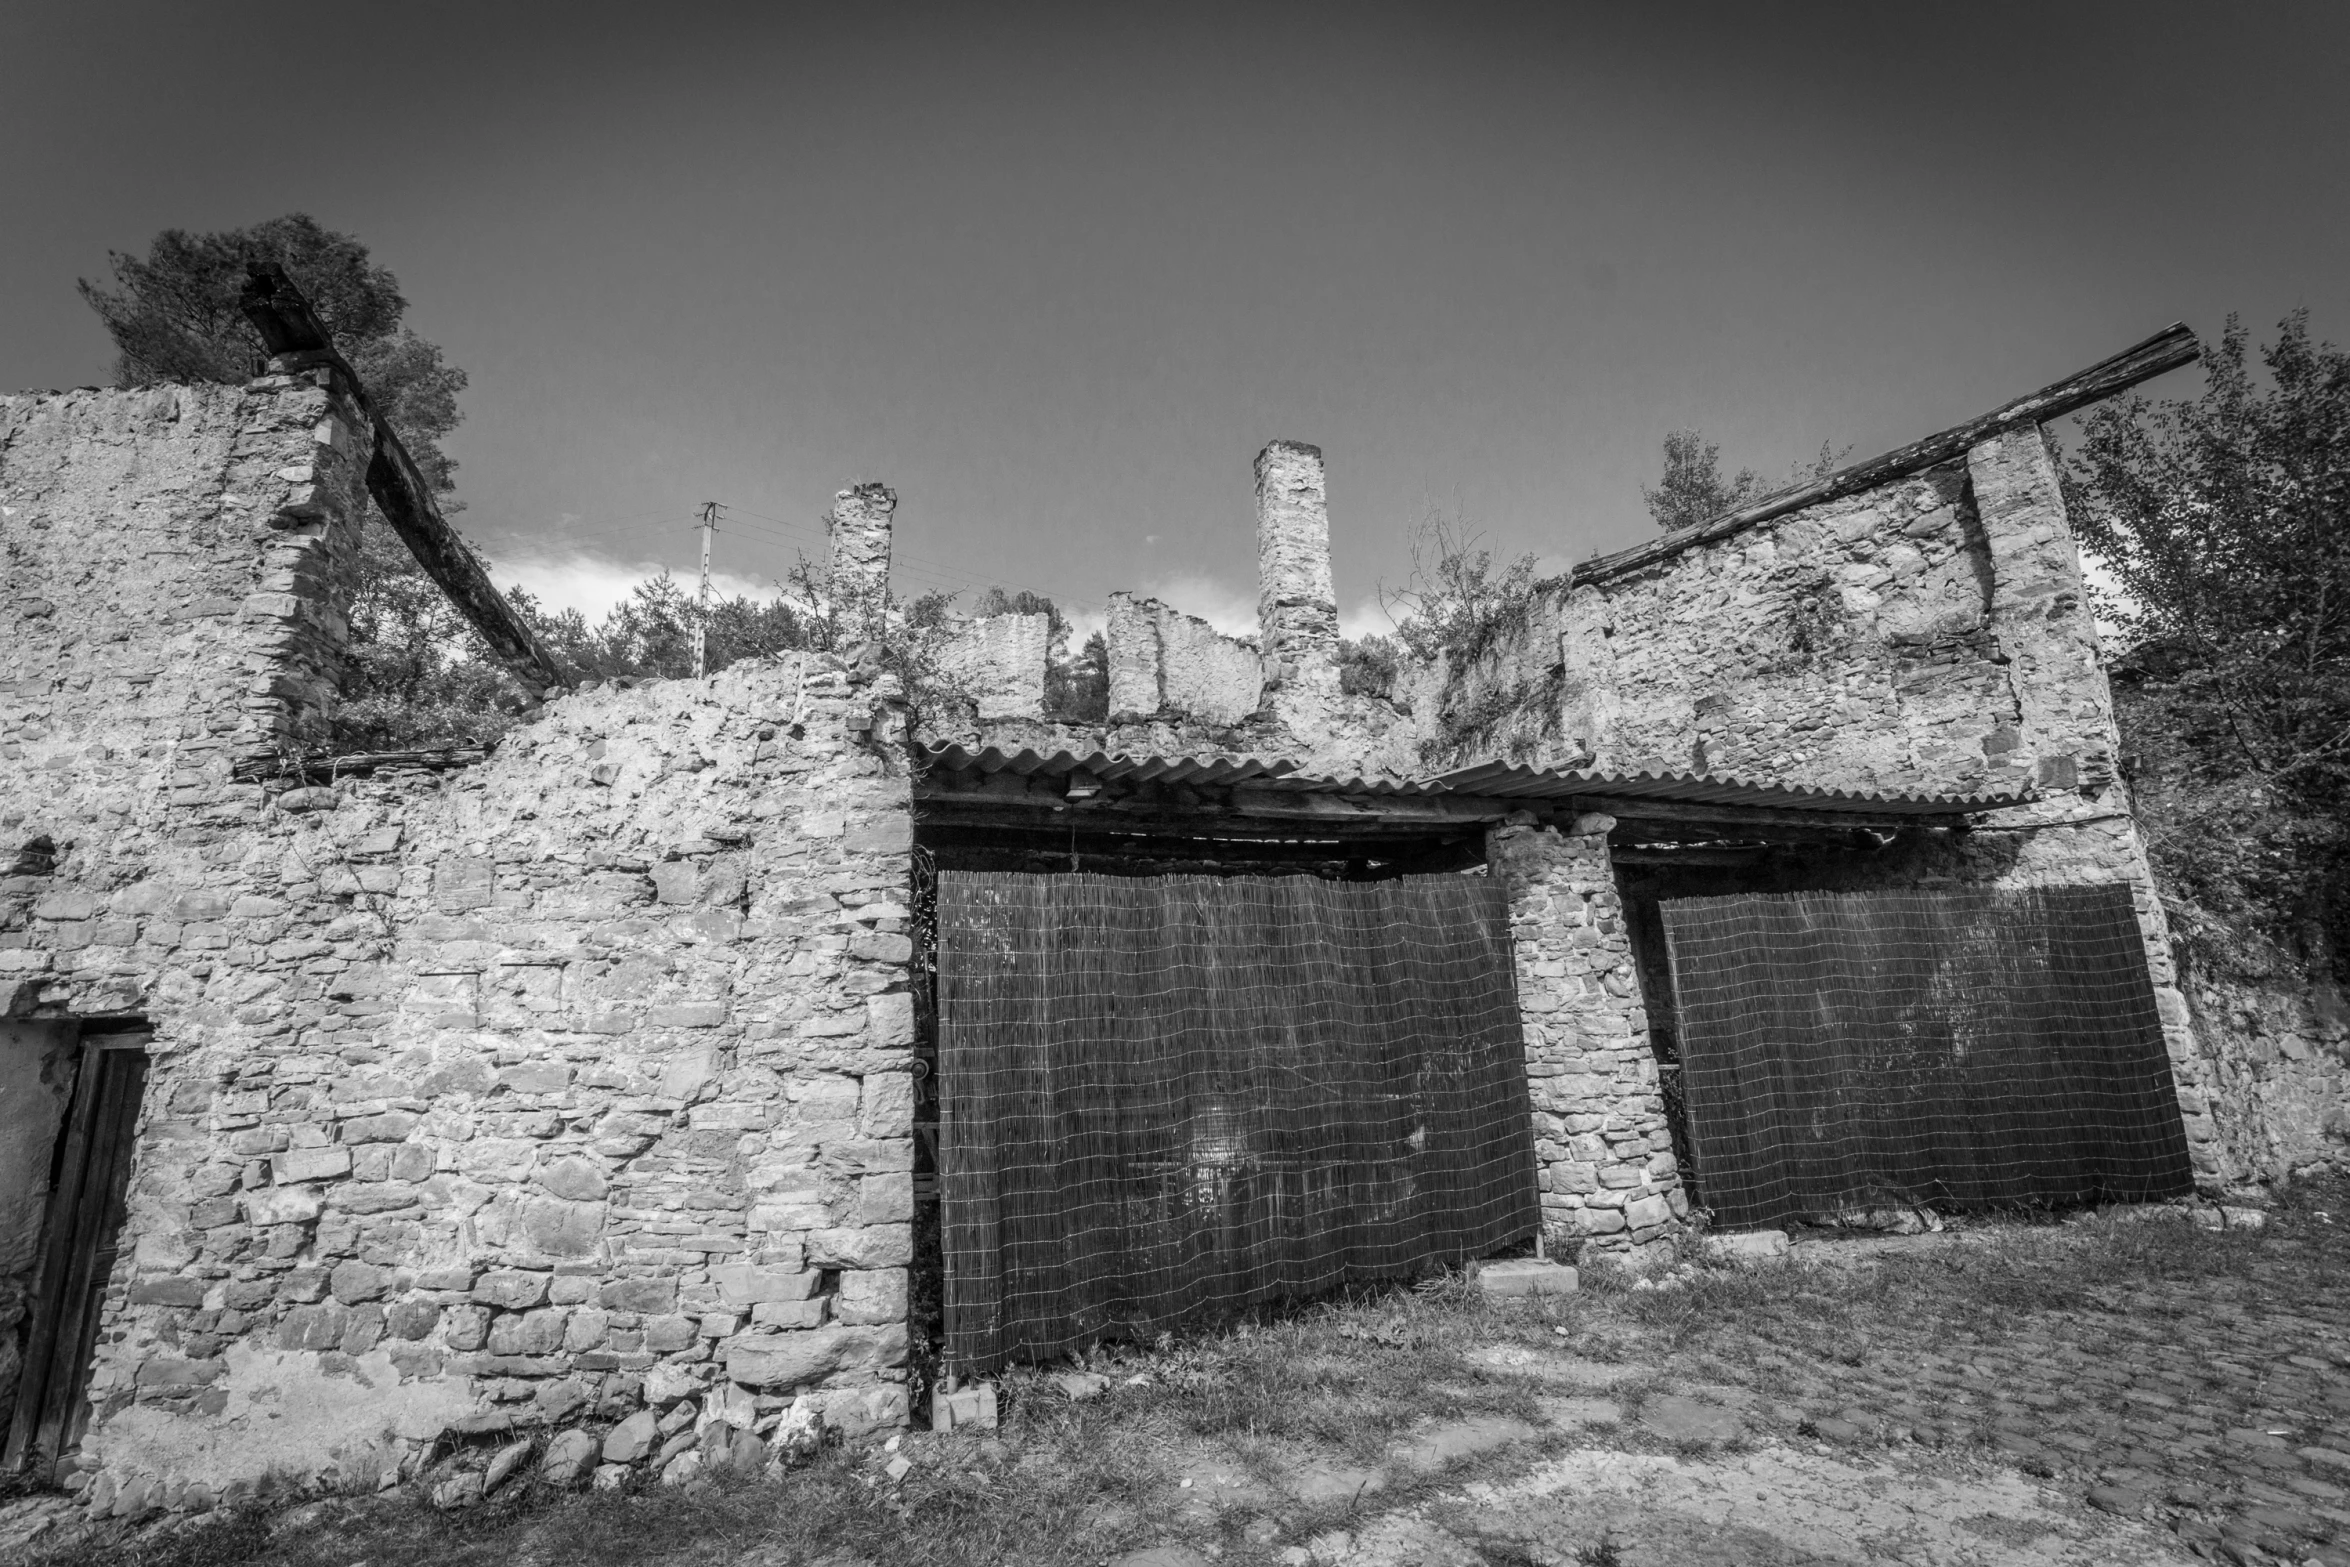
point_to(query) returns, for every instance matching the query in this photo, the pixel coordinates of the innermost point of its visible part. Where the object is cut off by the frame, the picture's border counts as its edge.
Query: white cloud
(593, 583)
(1230, 610)
(2105, 590)
(1368, 618)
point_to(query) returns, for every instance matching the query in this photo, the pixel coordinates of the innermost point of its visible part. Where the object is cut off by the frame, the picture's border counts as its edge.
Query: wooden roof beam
(297, 340)
(2166, 350)
(1760, 818)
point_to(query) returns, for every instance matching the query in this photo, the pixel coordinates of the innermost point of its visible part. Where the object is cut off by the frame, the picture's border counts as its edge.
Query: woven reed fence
(1167, 1098)
(1970, 1049)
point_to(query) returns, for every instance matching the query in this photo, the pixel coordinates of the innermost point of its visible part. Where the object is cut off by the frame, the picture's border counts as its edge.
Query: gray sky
(1056, 274)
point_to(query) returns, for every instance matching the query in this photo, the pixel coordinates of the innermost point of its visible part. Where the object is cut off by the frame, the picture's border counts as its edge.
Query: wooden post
(710, 510)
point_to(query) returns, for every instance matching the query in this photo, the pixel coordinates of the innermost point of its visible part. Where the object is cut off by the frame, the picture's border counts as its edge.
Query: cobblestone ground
(2112, 1389)
(2203, 1383)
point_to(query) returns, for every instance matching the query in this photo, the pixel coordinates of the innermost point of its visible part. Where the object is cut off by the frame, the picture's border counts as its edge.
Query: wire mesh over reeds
(1167, 1099)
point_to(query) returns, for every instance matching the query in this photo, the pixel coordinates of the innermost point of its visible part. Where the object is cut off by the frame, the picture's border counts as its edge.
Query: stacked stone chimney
(1297, 614)
(857, 575)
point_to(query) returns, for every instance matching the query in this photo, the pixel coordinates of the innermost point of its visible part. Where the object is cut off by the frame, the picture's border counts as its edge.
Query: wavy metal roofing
(1501, 780)
(1492, 780)
(1212, 771)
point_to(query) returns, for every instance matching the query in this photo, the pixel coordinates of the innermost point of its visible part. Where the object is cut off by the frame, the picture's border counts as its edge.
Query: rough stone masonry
(565, 1089)
(523, 1093)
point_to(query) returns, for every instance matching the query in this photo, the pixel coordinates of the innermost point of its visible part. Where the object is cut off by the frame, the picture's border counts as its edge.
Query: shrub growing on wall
(2225, 520)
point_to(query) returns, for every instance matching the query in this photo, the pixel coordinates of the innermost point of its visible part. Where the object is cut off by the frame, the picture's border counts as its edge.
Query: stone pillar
(1133, 640)
(2040, 612)
(857, 575)
(1297, 614)
(2081, 829)
(1601, 1143)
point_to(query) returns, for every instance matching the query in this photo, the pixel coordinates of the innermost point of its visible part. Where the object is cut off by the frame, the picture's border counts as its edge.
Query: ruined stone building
(348, 1110)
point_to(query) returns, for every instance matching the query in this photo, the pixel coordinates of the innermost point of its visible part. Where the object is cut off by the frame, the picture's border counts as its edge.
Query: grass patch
(1338, 1383)
(1061, 1483)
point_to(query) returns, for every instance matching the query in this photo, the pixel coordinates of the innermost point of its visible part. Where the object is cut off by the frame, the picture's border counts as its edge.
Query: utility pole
(710, 511)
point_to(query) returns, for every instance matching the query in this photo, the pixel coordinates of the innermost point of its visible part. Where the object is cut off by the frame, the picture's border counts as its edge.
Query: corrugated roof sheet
(1504, 781)
(1493, 780)
(1213, 771)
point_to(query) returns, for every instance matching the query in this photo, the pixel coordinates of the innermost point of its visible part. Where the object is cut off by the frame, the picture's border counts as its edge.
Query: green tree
(173, 315)
(1694, 489)
(1077, 690)
(1458, 602)
(650, 634)
(2225, 521)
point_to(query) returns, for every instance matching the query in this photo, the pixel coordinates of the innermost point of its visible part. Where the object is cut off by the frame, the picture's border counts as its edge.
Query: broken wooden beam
(2166, 350)
(1116, 800)
(1744, 817)
(297, 340)
(1110, 843)
(1262, 811)
(325, 767)
(1204, 825)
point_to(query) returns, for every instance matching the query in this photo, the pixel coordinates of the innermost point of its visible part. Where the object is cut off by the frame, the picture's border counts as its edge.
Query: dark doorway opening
(80, 1229)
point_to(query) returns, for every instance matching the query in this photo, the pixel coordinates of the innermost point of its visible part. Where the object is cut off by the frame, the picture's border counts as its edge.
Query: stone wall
(1930, 634)
(1602, 1148)
(2278, 1075)
(997, 664)
(857, 561)
(1165, 664)
(177, 564)
(532, 1092)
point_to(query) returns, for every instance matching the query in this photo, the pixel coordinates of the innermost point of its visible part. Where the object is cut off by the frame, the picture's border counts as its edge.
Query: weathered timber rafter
(1270, 814)
(296, 340)
(2166, 350)
(325, 766)
(1096, 843)
(1746, 816)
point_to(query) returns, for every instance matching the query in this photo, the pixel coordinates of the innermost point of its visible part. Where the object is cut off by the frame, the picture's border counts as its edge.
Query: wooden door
(81, 1238)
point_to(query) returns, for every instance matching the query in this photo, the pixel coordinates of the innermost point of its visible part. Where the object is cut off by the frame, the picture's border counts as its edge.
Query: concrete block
(1748, 1245)
(966, 1409)
(1516, 1276)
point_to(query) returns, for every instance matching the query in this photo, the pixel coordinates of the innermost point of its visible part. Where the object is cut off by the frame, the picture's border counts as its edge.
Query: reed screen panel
(1165, 1099)
(1964, 1049)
